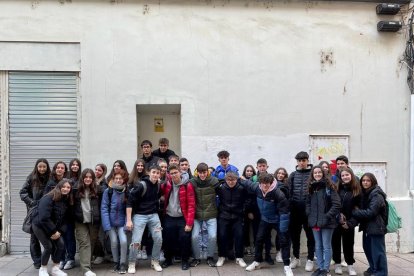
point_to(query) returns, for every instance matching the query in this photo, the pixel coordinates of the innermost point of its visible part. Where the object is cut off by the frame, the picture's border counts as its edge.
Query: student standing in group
(31, 192)
(373, 217)
(322, 208)
(48, 225)
(75, 169)
(274, 210)
(174, 160)
(185, 168)
(233, 200)
(248, 173)
(206, 211)
(87, 218)
(349, 191)
(281, 176)
(327, 169)
(149, 158)
(59, 171)
(116, 168)
(163, 151)
(113, 213)
(224, 167)
(298, 183)
(179, 211)
(142, 210)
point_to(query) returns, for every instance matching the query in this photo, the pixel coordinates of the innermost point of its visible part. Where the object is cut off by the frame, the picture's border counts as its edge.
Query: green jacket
(205, 191)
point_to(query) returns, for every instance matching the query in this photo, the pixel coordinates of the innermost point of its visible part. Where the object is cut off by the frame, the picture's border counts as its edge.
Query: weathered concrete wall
(254, 77)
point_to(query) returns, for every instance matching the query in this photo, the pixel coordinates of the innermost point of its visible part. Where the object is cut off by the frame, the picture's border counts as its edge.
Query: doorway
(155, 121)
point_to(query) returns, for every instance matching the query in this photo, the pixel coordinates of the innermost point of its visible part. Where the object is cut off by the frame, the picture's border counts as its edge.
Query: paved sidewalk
(398, 264)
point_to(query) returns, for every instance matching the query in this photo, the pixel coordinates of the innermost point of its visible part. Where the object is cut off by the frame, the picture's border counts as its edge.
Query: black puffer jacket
(31, 194)
(322, 206)
(348, 203)
(232, 200)
(95, 208)
(51, 215)
(373, 213)
(298, 183)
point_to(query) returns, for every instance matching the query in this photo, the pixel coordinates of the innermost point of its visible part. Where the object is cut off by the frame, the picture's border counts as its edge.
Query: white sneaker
(139, 255)
(156, 265)
(131, 268)
(332, 262)
(61, 265)
(43, 271)
(220, 261)
(309, 266)
(344, 264)
(144, 254)
(294, 263)
(254, 265)
(279, 257)
(162, 257)
(241, 262)
(69, 265)
(89, 273)
(351, 270)
(288, 270)
(98, 260)
(57, 272)
(338, 269)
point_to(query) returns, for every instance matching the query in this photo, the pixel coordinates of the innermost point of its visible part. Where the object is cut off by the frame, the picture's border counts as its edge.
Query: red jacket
(187, 200)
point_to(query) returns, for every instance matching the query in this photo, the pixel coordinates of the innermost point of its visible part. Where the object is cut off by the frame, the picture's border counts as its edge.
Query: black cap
(302, 155)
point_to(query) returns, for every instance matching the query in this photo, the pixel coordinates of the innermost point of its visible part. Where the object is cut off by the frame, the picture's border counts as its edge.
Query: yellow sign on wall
(158, 124)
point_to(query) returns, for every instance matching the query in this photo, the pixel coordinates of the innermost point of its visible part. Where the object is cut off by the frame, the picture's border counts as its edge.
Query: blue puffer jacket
(221, 172)
(113, 213)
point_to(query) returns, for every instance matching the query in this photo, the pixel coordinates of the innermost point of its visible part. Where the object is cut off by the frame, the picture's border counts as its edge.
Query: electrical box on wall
(389, 26)
(386, 8)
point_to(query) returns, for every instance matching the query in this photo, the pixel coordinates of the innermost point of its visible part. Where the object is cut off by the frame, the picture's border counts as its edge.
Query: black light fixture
(386, 8)
(389, 26)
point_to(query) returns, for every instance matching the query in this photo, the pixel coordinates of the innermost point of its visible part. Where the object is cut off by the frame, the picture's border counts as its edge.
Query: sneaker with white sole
(43, 271)
(155, 264)
(89, 273)
(61, 265)
(241, 262)
(279, 257)
(294, 263)
(55, 271)
(338, 269)
(98, 261)
(344, 264)
(162, 257)
(309, 265)
(254, 265)
(220, 261)
(351, 270)
(288, 270)
(69, 265)
(144, 254)
(139, 254)
(131, 268)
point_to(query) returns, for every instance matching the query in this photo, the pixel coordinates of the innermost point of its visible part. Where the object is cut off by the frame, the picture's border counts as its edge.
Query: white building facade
(91, 79)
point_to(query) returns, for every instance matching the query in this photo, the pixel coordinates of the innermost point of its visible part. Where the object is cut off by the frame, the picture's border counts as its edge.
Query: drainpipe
(412, 146)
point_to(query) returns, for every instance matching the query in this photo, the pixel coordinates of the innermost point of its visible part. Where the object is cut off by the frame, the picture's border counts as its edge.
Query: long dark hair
(135, 176)
(245, 169)
(355, 187)
(53, 173)
(74, 175)
(111, 174)
(105, 171)
(37, 179)
(373, 179)
(56, 193)
(93, 191)
(284, 180)
(325, 179)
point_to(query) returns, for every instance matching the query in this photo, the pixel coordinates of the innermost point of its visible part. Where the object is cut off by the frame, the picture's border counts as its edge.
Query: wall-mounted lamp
(386, 8)
(389, 26)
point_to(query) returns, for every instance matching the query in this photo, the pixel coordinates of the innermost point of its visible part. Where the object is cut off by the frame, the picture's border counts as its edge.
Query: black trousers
(35, 251)
(347, 236)
(54, 248)
(255, 227)
(174, 237)
(264, 232)
(230, 229)
(298, 219)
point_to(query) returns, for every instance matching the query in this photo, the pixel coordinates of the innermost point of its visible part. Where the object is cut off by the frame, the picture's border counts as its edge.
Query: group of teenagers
(163, 209)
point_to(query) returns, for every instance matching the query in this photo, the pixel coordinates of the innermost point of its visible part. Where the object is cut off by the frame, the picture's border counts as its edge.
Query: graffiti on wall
(328, 147)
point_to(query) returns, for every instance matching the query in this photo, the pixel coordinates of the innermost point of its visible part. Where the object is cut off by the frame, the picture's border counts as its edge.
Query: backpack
(392, 219)
(27, 222)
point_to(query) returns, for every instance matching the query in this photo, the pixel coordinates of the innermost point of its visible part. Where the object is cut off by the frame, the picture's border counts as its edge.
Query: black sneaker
(269, 260)
(122, 268)
(211, 262)
(166, 263)
(316, 272)
(115, 267)
(325, 273)
(195, 262)
(37, 266)
(185, 265)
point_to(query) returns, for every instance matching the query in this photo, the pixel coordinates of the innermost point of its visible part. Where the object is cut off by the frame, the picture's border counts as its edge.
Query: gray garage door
(43, 124)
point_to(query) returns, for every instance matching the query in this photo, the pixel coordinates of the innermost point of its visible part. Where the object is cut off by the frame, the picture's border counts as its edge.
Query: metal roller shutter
(3, 85)
(43, 124)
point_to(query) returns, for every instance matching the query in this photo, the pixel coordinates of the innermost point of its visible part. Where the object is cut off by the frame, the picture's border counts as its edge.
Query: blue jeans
(374, 248)
(212, 237)
(154, 226)
(118, 244)
(323, 248)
